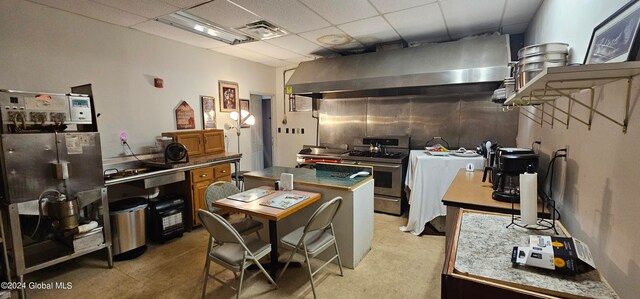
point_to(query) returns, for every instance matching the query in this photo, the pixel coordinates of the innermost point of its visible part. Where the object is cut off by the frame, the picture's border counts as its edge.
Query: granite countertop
(484, 250)
(324, 174)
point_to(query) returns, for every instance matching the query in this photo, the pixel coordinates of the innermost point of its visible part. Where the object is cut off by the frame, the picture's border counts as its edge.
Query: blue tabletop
(333, 175)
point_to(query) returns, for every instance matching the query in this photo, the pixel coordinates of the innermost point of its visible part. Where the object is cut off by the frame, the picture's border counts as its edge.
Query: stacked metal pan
(534, 59)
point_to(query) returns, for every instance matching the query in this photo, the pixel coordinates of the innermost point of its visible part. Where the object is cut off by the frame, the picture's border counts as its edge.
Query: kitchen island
(354, 222)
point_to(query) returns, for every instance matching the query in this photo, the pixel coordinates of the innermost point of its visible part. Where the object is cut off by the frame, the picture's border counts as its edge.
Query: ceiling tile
(292, 15)
(95, 11)
(299, 45)
(422, 23)
(244, 54)
(520, 11)
(224, 13)
(515, 28)
(278, 63)
(269, 50)
(145, 8)
(385, 6)
(184, 3)
(340, 11)
(173, 33)
(464, 16)
(370, 31)
(330, 37)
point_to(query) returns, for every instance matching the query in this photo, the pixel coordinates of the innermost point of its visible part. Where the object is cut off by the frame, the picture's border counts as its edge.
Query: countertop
(165, 169)
(469, 191)
(323, 175)
(484, 247)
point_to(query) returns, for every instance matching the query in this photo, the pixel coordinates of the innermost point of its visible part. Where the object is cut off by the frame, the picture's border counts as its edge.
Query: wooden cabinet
(200, 142)
(213, 141)
(199, 181)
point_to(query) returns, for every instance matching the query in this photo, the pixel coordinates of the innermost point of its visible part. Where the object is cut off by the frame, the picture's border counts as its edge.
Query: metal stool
(239, 178)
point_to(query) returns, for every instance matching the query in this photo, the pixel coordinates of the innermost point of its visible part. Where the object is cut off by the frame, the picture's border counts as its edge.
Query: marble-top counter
(484, 250)
(324, 174)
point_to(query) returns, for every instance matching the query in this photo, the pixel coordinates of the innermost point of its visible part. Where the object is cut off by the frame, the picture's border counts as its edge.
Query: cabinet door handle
(203, 175)
(224, 171)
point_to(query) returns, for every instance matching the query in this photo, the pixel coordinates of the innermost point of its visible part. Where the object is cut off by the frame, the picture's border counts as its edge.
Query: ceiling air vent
(263, 30)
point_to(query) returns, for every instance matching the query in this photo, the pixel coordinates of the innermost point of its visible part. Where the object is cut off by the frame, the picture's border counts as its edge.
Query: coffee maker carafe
(504, 174)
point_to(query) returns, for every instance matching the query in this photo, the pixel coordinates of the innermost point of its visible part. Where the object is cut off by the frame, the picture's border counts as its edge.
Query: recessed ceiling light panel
(197, 25)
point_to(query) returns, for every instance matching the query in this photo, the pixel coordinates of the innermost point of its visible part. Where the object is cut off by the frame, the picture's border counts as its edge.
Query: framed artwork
(616, 38)
(244, 105)
(228, 96)
(185, 117)
(208, 112)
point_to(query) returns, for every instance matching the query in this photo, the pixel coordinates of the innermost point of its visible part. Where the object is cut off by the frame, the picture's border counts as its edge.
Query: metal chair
(233, 253)
(221, 190)
(313, 238)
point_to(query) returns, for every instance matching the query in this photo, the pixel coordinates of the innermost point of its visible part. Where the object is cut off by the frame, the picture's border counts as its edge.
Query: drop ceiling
(317, 28)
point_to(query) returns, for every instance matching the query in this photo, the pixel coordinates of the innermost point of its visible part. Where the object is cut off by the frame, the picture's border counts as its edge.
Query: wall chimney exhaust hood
(473, 65)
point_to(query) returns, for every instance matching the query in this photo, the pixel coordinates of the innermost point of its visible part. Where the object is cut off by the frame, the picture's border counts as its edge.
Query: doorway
(267, 137)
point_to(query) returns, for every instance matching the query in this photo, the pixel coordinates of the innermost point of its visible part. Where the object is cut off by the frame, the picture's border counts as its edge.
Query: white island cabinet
(354, 222)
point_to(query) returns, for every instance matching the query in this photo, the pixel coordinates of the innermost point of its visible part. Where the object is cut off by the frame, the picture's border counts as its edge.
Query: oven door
(387, 177)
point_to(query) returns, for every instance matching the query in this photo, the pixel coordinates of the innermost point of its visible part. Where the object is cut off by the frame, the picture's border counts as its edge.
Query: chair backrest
(218, 191)
(219, 228)
(324, 215)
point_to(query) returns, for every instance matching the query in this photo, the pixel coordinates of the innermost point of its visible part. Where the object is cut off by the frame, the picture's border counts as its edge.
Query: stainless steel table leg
(236, 165)
(23, 292)
(109, 257)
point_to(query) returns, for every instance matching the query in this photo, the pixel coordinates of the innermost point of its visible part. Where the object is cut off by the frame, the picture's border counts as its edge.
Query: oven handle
(379, 165)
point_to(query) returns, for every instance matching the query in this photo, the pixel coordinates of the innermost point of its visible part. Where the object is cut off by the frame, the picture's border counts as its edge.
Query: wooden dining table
(254, 208)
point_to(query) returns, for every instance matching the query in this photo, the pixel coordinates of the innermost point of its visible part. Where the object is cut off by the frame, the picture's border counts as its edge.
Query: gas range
(389, 169)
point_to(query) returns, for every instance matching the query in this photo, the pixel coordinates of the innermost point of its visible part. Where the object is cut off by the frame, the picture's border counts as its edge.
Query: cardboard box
(566, 255)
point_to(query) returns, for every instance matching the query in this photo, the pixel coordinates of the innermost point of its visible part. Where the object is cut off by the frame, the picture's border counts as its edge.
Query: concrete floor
(399, 265)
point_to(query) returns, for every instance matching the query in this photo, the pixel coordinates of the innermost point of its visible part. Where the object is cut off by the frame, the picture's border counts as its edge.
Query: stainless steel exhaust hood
(472, 65)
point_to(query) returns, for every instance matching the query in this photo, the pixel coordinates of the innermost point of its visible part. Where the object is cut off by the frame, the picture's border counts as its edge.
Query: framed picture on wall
(244, 105)
(228, 96)
(184, 116)
(208, 112)
(616, 38)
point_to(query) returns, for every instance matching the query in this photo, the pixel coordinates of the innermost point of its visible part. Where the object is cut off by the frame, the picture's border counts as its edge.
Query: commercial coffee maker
(504, 174)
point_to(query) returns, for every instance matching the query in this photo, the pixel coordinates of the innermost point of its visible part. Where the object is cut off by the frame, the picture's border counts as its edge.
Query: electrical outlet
(287, 130)
(123, 137)
(566, 154)
(293, 131)
(301, 130)
(279, 130)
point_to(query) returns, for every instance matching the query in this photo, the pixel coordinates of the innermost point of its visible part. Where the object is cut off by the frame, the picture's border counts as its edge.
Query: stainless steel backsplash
(462, 120)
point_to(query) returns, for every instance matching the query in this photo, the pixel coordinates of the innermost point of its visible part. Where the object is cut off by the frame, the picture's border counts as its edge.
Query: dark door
(267, 137)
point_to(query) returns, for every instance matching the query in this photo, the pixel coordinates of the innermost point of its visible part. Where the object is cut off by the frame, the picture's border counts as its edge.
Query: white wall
(596, 188)
(44, 49)
(288, 145)
(571, 22)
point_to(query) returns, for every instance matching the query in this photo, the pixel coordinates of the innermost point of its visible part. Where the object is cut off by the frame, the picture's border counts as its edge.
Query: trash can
(128, 235)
